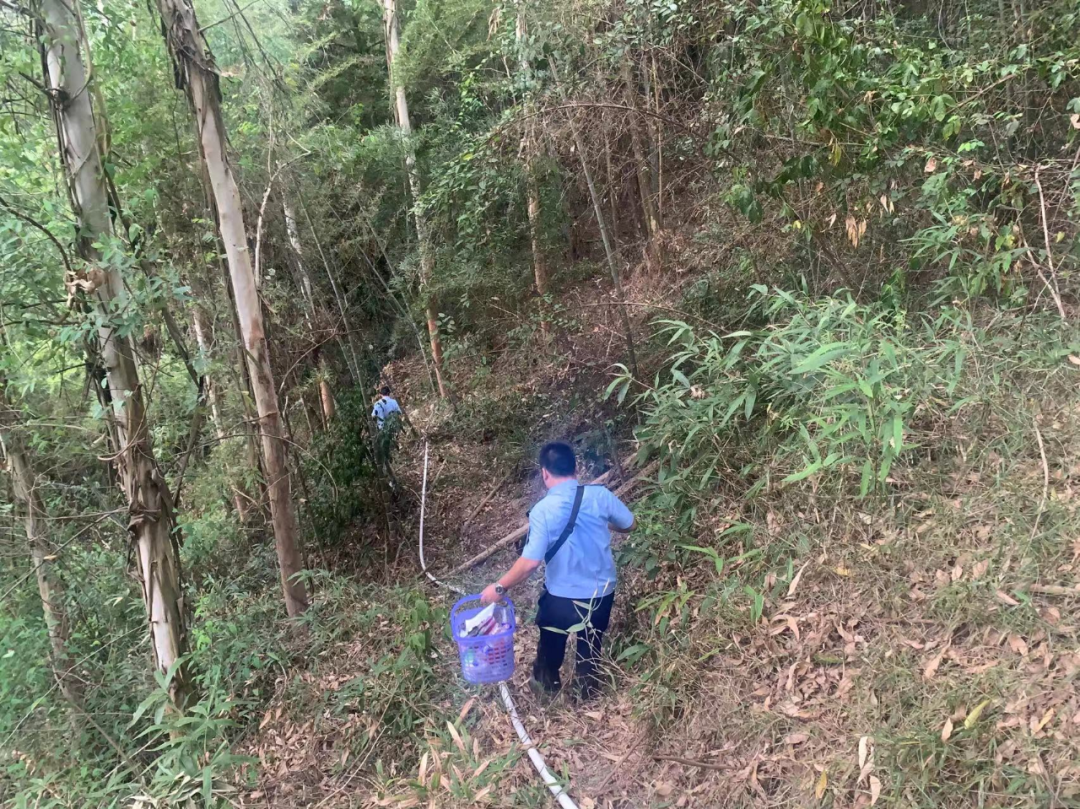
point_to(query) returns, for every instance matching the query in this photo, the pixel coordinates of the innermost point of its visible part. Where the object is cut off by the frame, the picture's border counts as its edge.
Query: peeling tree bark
(149, 504)
(195, 72)
(423, 234)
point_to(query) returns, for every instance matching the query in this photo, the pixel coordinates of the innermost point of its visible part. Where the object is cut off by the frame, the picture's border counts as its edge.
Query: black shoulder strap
(569, 529)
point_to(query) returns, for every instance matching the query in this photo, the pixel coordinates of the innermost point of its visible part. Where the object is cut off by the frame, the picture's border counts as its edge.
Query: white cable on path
(560, 794)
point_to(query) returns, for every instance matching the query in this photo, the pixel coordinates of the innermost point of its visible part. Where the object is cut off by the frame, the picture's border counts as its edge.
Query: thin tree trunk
(609, 252)
(195, 70)
(50, 588)
(239, 368)
(200, 327)
(532, 185)
(613, 186)
(644, 173)
(658, 150)
(307, 408)
(294, 240)
(149, 503)
(423, 235)
(540, 267)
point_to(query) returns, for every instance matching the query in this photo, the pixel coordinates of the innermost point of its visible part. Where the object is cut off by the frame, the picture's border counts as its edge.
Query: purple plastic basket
(485, 658)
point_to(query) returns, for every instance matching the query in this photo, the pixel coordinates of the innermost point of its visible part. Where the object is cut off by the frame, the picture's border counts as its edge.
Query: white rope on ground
(560, 794)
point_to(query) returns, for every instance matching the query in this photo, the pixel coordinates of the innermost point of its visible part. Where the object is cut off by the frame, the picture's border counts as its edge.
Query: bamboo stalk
(523, 530)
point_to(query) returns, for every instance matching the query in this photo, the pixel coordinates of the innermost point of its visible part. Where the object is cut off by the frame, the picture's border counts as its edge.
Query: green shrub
(826, 384)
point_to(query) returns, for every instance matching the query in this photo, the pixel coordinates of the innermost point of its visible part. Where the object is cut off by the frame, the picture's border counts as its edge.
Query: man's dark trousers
(556, 613)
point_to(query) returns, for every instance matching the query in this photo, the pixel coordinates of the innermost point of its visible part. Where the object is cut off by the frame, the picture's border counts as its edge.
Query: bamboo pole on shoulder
(523, 530)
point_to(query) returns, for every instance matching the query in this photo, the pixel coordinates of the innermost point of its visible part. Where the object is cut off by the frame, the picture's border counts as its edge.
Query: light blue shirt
(584, 567)
(383, 408)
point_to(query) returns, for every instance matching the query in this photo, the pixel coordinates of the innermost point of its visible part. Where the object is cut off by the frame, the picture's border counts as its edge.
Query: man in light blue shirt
(570, 529)
(389, 418)
(384, 406)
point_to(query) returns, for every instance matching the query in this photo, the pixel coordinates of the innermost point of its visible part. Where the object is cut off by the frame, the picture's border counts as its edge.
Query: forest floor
(922, 652)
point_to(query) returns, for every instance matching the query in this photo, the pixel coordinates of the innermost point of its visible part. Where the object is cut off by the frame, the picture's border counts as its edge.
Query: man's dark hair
(558, 459)
(385, 390)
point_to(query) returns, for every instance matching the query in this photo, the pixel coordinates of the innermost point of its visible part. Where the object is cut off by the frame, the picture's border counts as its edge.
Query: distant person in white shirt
(389, 418)
(385, 404)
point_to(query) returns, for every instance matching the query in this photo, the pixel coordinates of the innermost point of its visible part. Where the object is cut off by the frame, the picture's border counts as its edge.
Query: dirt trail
(588, 742)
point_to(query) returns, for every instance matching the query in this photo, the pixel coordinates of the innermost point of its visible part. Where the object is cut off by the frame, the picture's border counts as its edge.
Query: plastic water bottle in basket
(485, 639)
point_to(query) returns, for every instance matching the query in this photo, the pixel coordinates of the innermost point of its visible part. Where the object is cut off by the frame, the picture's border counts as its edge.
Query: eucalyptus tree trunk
(256, 495)
(195, 72)
(149, 503)
(423, 234)
(532, 185)
(42, 550)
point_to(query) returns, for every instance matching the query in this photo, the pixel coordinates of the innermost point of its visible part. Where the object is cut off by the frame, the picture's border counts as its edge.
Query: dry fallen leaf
(866, 756)
(1075, 360)
(1037, 726)
(946, 731)
(875, 789)
(466, 708)
(935, 662)
(1017, 644)
(931, 166)
(455, 736)
(1005, 598)
(664, 788)
(795, 581)
(483, 766)
(822, 782)
(796, 738)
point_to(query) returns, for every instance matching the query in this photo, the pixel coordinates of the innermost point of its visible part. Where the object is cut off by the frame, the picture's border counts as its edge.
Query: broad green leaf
(823, 356)
(803, 473)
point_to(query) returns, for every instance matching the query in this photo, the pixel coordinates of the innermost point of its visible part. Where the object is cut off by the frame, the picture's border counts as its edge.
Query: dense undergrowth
(855, 577)
(842, 600)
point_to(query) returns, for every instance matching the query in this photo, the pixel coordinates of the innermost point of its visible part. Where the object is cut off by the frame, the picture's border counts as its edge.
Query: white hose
(560, 794)
(423, 502)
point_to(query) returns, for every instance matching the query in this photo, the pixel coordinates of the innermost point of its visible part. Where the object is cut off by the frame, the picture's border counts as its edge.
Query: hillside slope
(775, 644)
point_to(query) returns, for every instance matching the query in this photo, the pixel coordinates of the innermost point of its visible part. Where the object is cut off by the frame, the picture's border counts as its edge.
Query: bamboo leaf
(823, 356)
